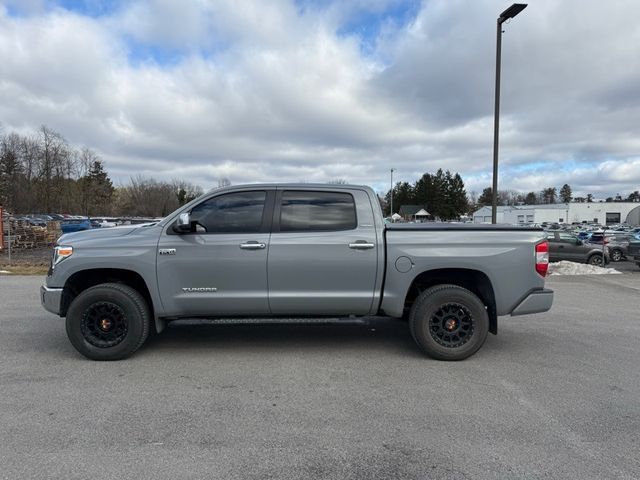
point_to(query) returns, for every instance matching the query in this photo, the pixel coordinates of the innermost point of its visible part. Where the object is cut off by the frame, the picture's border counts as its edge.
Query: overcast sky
(311, 91)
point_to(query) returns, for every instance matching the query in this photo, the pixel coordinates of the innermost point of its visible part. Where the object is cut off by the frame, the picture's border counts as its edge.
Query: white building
(603, 213)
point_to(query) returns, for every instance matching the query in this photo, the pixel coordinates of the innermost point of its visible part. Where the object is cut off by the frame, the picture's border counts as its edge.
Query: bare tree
(185, 191)
(147, 197)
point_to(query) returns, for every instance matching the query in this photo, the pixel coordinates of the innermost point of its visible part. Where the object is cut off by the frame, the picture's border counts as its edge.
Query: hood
(98, 233)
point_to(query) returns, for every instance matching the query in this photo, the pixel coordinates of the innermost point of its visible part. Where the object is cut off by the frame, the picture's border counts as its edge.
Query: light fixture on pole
(510, 12)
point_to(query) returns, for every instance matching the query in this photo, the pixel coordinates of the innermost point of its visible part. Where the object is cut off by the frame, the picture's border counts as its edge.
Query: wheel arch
(475, 281)
(84, 279)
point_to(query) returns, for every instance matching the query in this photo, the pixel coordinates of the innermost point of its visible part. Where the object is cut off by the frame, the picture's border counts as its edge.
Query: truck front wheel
(108, 322)
(449, 322)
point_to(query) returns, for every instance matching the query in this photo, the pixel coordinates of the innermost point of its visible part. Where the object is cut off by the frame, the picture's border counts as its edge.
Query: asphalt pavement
(555, 395)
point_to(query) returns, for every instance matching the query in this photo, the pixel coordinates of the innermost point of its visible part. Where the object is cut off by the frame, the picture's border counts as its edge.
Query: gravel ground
(555, 395)
(35, 256)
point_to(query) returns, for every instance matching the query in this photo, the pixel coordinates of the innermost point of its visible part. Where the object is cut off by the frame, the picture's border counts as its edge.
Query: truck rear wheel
(449, 322)
(108, 322)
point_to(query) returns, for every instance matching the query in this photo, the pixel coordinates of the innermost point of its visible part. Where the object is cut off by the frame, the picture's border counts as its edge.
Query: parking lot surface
(555, 395)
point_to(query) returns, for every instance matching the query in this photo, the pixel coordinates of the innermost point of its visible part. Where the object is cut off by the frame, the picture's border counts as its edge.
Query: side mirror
(183, 224)
(579, 242)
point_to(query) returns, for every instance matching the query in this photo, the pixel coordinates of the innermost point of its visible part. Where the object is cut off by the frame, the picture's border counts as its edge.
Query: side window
(239, 212)
(317, 211)
(567, 237)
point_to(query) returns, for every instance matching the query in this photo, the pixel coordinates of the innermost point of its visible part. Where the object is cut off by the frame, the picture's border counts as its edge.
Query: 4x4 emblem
(167, 251)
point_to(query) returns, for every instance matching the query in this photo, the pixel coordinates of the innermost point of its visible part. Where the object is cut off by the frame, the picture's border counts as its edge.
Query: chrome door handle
(362, 245)
(252, 246)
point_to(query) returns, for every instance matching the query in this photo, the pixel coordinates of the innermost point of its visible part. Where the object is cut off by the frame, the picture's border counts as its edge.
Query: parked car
(36, 220)
(634, 249)
(618, 243)
(294, 252)
(566, 246)
(75, 225)
(583, 235)
(104, 222)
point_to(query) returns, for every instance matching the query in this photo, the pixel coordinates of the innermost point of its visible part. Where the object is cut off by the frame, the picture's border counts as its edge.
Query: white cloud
(259, 91)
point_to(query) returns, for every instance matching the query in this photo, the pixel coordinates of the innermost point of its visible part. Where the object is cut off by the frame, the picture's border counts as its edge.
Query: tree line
(442, 194)
(41, 173)
(545, 196)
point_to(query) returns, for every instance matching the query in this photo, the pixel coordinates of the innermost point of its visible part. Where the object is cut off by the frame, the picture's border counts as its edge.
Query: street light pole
(510, 12)
(391, 194)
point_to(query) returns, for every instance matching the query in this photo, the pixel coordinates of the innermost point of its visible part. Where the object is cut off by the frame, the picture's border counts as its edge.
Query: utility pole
(391, 195)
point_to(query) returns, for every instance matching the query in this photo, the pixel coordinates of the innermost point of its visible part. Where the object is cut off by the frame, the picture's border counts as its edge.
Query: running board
(270, 321)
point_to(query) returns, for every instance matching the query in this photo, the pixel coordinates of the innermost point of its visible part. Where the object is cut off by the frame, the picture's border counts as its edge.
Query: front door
(220, 267)
(569, 248)
(323, 253)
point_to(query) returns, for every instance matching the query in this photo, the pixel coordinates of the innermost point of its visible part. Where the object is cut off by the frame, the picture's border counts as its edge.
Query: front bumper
(50, 299)
(536, 302)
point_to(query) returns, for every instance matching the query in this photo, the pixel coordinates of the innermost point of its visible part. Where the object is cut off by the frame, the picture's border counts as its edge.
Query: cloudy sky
(315, 90)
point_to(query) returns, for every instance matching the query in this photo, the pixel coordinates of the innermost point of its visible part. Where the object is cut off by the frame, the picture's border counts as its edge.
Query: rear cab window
(316, 211)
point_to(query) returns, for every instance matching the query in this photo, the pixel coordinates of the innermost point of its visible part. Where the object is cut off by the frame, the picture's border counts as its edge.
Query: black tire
(595, 259)
(617, 255)
(449, 322)
(108, 322)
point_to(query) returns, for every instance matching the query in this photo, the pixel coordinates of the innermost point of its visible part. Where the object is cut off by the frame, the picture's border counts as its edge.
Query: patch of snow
(5, 271)
(565, 267)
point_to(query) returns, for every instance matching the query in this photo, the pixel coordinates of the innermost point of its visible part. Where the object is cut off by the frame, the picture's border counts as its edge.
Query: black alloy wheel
(451, 325)
(595, 259)
(449, 322)
(109, 321)
(104, 324)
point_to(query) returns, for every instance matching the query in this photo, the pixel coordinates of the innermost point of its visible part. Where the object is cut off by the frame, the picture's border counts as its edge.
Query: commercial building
(604, 213)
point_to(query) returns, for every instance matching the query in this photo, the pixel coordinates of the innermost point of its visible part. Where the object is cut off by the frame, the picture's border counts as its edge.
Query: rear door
(220, 268)
(323, 253)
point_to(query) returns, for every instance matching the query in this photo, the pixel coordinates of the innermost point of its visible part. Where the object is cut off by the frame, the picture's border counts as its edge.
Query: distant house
(422, 216)
(408, 211)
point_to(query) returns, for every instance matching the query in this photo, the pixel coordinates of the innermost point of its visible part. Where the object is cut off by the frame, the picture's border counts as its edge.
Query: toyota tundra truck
(257, 253)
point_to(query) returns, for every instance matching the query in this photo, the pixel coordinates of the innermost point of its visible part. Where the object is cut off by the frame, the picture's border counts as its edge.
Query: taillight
(542, 258)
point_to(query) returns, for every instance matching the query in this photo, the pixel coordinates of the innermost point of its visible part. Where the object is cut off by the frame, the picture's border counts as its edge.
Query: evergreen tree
(403, 194)
(486, 198)
(634, 197)
(442, 194)
(565, 193)
(10, 178)
(549, 195)
(100, 189)
(456, 195)
(531, 198)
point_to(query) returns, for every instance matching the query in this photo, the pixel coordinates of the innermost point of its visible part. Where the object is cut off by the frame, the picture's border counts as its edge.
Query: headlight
(60, 252)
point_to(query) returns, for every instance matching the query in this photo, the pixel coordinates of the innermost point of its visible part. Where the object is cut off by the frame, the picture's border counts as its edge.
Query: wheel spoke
(104, 324)
(451, 325)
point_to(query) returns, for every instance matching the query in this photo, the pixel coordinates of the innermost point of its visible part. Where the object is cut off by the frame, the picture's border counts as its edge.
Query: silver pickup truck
(301, 251)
